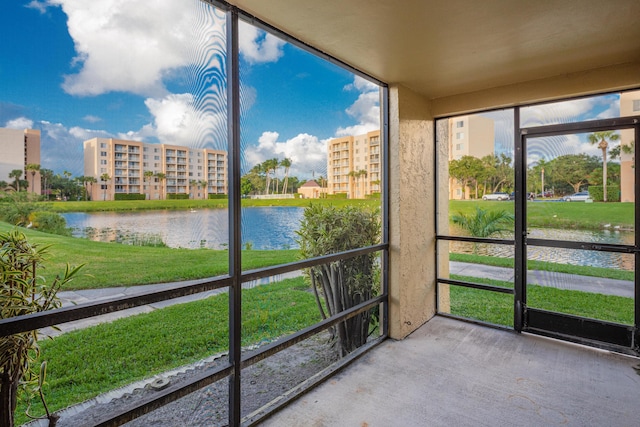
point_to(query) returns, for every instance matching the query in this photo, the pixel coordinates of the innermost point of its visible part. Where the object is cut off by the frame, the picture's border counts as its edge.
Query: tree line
(264, 178)
(563, 175)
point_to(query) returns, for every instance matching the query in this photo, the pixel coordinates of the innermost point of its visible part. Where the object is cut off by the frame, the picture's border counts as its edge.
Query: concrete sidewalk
(573, 282)
(544, 278)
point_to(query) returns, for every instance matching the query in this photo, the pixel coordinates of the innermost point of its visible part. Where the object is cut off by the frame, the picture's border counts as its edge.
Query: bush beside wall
(177, 196)
(129, 196)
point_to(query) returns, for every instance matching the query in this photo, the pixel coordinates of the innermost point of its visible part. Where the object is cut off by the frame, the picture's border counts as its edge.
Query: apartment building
(155, 170)
(18, 148)
(353, 165)
(469, 136)
(629, 106)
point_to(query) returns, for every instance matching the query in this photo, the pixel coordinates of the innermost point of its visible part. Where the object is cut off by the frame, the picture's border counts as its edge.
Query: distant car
(577, 197)
(545, 194)
(530, 196)
(496, 196)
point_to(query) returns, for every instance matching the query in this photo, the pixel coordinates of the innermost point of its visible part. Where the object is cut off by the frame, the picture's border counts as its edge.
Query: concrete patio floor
(453, 373)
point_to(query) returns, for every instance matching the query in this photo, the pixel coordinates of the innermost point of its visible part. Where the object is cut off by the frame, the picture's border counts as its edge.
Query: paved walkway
(565, 281)
(545, 278)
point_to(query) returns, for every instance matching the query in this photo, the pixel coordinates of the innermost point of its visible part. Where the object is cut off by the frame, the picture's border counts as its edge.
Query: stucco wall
(411, 212)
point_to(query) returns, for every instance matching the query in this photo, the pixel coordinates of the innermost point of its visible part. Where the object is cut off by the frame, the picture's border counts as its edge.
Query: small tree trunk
(8, 399)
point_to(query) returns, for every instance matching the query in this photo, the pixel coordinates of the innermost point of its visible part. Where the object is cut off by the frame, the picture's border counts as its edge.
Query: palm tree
(16, 174)
(89, 180)
(205, 187)
(147, 177)
(192, 184)
(47, 176)
(601, 138)
(161, 177)
(286, 164)
(268, 166)
(104, 178)
(33, 167)
(483, 223)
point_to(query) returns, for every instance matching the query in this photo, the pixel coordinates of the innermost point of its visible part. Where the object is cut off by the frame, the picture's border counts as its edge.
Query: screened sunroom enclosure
(536, 232)
(217, 106)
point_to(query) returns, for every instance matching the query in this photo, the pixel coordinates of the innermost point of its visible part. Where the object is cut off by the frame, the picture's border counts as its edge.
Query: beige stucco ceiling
(443, 48)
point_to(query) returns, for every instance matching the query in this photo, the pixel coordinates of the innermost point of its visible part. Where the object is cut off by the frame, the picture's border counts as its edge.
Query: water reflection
(262, 227)
(561, 255)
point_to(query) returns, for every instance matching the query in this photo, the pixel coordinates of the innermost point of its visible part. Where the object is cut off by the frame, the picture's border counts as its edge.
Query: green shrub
(596, 193)
(177, 196)
(130, 196)
(375, 195)
(49, 222)
(24, 291)
(337, 196)
(346, 283)
(217, 196)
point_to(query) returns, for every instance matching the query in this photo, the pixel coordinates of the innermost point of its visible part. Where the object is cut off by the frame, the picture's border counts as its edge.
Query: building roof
(308, 184)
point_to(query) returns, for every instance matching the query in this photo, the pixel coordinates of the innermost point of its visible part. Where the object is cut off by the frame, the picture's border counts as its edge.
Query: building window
(103, 145)
(460, 135)
(156, 157)
(636, 105)
(103, 162)
(155, 150)
(459, 147)
(460, 124)
(144, 156)
(103, 153)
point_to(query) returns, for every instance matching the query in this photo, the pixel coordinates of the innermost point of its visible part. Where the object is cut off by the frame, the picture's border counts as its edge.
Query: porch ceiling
(444, 48)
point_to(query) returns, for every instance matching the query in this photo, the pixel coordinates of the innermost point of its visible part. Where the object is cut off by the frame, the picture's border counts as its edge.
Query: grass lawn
(113, 264)
(85, 363)
(553, 214)
(134, 205)
(497, 308)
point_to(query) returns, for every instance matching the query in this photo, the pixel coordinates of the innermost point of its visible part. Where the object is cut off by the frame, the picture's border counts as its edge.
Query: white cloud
(361, 85)
(365, 110)
(308, 154)
(91, 119)
(62, 149)
(258, 46)
(37, 5)
(178, 121)
(570, 111)
(125, 46)
(19, 123)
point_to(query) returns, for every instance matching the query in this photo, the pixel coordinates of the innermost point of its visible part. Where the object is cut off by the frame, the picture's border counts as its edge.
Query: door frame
(624, 338)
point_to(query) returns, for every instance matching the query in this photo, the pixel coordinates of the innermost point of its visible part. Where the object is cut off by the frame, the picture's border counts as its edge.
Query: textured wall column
(411, 213)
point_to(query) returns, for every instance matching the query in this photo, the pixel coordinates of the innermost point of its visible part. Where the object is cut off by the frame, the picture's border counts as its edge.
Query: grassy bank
(140, 205)
(550, 214)
(553, 214)
(113, 264)
(85, 363)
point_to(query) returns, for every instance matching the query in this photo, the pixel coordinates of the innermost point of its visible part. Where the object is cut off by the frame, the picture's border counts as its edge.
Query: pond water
(262, 227)
(275, 227)
(560, 255)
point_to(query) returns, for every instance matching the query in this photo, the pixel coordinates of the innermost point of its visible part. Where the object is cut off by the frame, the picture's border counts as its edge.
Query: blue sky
(150, 71)
(578, 110)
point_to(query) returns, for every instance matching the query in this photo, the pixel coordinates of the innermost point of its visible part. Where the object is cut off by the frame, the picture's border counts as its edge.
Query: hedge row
(129, 196)
(596, 193)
